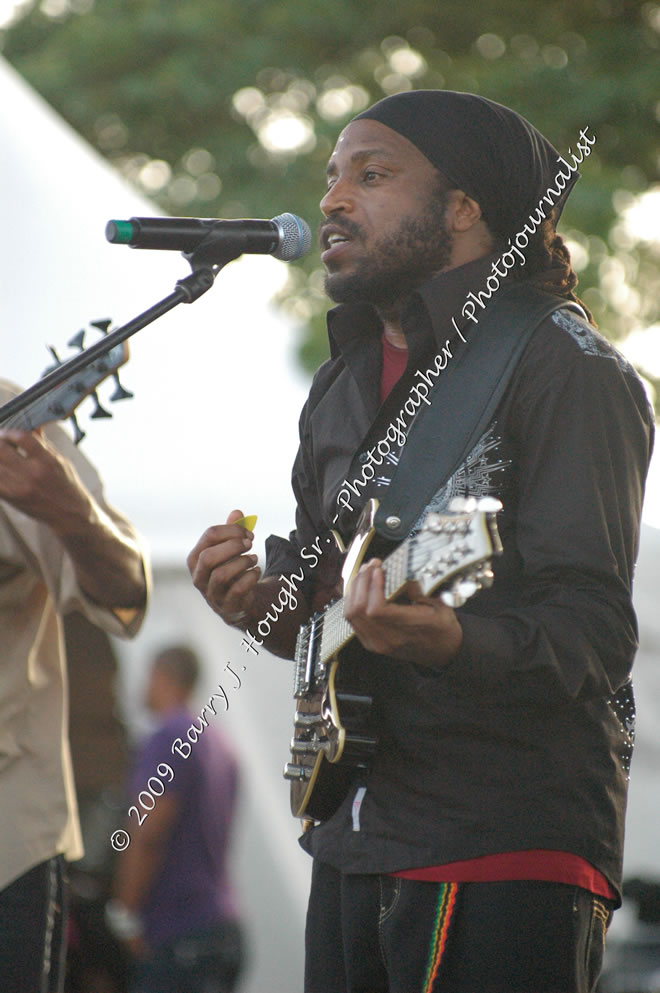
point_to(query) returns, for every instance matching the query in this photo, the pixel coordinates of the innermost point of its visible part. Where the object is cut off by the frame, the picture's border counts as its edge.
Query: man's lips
(334, 240)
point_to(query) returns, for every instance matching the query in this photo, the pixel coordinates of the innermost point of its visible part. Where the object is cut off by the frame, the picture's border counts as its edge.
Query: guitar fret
(396, 572)
(334, 630)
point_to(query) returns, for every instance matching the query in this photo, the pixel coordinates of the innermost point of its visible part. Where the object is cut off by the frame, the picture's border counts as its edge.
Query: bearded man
(481, 847)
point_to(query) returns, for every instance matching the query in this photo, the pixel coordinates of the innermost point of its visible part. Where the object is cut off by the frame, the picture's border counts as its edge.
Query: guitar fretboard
(336, 630)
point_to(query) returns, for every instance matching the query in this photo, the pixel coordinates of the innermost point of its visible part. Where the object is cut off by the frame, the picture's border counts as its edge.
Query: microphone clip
(213, 252)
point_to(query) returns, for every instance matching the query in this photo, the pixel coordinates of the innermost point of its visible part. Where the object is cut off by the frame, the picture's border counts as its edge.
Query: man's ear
(464, 212)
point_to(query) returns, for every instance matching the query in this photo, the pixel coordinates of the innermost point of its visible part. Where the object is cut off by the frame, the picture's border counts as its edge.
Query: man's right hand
(223, 571)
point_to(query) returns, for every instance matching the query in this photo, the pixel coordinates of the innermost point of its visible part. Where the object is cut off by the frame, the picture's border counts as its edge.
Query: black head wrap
(483, 148)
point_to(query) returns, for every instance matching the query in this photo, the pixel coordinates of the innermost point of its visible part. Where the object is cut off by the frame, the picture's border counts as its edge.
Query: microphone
(286, 236)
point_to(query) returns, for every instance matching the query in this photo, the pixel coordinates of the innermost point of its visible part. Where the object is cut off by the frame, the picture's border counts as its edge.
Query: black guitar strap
(463, 401)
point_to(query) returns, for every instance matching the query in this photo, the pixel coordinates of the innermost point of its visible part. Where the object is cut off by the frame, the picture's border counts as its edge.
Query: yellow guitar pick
(248, 521)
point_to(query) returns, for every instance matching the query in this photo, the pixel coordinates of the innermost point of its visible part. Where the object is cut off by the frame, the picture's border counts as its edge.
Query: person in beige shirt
(62, 549)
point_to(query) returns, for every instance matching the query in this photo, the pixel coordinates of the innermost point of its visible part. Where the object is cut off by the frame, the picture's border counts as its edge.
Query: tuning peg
(452, 598)
(489, 505)
(56, 361)
(463, 505)
(120, 392)
(485, 577)
(462, 589)
(78, 433)
(101, 325)
(99, 411)
(77, 340)
(467, 588)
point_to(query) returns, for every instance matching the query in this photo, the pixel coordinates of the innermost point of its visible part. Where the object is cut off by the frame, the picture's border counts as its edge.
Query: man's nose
(338, 197)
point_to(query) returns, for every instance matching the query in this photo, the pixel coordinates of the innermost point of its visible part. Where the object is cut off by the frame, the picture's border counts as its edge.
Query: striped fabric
(446, 902)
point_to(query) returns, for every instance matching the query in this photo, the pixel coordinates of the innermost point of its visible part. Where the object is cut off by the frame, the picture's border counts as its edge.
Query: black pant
(381, 934)
(32, 929)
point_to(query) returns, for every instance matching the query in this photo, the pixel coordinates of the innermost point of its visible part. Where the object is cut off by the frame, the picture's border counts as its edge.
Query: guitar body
(334, 739)
(333, 736)
(334, 731)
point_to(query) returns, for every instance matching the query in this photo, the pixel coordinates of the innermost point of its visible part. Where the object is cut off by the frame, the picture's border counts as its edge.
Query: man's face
(385, 231)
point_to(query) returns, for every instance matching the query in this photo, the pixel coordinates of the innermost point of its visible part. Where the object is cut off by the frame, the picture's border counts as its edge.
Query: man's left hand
(36, 479)
(424, 631)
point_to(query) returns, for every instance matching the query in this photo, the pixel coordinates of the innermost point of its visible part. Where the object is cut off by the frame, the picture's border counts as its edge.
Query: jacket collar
(429, 310)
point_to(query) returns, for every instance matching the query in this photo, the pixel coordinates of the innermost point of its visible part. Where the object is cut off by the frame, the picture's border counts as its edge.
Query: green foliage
(183, 97)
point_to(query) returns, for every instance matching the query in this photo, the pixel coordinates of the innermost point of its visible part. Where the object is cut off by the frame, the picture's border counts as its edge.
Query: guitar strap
(463, 401)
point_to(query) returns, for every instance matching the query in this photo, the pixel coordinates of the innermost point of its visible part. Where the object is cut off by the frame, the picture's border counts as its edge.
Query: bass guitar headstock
(62, 400)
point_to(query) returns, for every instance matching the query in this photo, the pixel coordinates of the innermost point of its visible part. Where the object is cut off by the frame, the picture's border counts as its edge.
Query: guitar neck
(337, 631)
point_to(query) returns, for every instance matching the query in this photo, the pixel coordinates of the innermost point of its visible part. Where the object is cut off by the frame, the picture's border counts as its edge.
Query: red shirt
(394, 364)
(551, 866)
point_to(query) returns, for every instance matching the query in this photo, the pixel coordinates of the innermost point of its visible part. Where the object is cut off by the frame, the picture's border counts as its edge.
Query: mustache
(339, 223)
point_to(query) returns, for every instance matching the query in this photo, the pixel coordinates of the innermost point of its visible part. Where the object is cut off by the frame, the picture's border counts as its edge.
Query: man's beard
(399, 263)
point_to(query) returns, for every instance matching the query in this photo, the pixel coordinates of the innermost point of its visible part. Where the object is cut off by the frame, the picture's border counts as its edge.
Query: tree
(231, 108)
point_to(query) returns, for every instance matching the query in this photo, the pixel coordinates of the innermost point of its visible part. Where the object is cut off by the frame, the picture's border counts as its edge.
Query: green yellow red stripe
(445, 909)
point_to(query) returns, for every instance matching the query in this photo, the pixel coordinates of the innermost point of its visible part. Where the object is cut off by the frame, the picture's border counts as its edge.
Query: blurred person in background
(174, 906)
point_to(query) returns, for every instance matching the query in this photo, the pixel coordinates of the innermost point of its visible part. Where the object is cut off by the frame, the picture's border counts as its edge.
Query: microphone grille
(295, 237)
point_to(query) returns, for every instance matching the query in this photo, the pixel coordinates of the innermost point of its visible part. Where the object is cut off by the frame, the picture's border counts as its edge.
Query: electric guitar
(333, 732)
(25, 414)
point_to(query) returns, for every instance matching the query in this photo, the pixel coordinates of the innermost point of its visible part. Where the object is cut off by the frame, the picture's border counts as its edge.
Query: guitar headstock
(62, 400)
(454, 550)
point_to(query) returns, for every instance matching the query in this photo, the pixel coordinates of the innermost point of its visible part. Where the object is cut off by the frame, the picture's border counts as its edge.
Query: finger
(375, 590)
(221, 564)
(217, 536)
(236, 598)
(13, 436)
(10, 449)
(357, 598)
(27, 441)
(205, 558)
(225, 572)
(238, 515)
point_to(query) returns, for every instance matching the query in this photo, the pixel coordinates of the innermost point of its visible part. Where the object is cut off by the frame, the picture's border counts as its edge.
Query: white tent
(212, 426)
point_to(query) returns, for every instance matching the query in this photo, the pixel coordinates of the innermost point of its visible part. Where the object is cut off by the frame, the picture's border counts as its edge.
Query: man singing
(482, 848)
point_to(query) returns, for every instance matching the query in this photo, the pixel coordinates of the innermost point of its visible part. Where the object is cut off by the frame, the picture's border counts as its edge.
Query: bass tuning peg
(78, 433)
(56, 361)
(101, 325)
(77, 340)
(120, 392)
(98, 411)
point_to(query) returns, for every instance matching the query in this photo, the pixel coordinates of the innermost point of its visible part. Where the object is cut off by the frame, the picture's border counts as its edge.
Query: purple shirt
(192, 888)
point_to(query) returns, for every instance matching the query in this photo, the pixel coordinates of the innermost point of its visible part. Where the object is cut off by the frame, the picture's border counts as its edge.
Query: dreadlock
(548, 265)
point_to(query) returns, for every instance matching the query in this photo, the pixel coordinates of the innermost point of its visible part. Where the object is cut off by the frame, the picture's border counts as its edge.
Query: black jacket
(524, 740)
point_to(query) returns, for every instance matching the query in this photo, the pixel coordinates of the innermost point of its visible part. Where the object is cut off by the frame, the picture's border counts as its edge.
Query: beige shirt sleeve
(38, 815)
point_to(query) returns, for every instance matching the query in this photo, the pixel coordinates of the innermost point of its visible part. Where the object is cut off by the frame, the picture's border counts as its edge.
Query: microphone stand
(206, 261)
